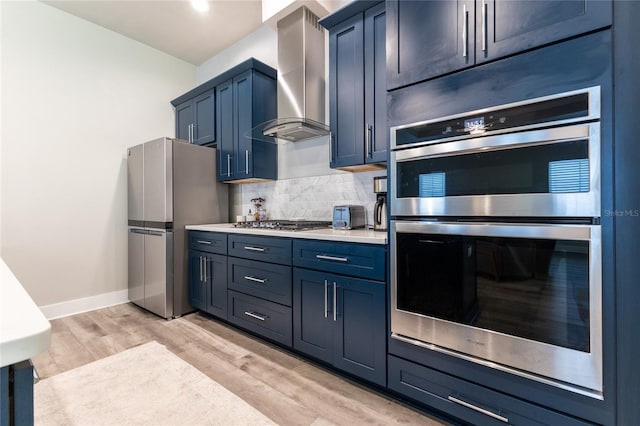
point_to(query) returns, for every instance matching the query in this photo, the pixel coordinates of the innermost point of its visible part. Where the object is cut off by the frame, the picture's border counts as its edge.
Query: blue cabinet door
(341, 321)
(184, 120)
(224, 130)
(196, 120)
(428, 38)
(312, 314)
(208, 282)
(215, 274)
(204, 111)
(375, 85)
(359, 339)
(346, 92)
(506, 27)
(242, 123)
(197, 284)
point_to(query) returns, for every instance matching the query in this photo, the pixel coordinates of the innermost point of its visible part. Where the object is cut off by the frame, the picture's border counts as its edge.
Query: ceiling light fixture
(200, 5)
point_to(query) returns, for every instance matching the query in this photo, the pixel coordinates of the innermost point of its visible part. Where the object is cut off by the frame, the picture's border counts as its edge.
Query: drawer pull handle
(478, 409)
(335, 259)
(256, 316)
(254, 279)
(254, 248)
(204, 242)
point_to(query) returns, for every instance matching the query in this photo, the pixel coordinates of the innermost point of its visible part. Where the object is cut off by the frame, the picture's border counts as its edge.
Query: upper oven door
(551, 172)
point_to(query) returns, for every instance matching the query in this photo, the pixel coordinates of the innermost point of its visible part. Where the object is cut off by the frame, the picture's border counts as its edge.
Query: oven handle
(498, 141)
(499, 229)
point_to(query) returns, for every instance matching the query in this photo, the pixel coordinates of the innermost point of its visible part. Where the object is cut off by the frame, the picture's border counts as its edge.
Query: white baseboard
(85, 304)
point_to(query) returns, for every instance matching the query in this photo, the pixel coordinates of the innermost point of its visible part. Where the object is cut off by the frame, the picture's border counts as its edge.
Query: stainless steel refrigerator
(170, 183)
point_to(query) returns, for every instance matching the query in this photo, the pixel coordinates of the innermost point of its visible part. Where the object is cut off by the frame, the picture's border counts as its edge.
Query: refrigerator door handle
(155, 233)
(138, 231)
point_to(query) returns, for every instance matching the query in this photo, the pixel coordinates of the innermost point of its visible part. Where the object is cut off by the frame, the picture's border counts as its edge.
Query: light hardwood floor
(284, 387)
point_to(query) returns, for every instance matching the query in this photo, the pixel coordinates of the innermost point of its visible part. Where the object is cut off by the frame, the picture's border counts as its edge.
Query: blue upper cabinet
(196, 119)
(427, 38)
(244, 101)
(357, 87)
(431, 38)
(507, 27)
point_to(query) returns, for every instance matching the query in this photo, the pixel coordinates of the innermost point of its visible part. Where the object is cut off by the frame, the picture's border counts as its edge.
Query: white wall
(74, 96)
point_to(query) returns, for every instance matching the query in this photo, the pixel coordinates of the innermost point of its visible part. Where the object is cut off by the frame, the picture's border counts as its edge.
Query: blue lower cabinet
(208, 282)
(268, 319)
(467, 401)
(197, 284)
(313, 314)
(341, 321)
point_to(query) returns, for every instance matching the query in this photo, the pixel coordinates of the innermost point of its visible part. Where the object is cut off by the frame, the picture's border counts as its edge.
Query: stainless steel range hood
(301, 79)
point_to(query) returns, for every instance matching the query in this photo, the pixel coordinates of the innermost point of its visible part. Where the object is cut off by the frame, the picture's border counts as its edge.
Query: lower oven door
(525, 298)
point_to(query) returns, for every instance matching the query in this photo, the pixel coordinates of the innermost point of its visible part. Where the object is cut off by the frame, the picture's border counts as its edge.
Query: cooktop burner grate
(289, 225)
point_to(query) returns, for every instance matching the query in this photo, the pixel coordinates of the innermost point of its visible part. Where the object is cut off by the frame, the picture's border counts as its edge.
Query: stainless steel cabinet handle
(326, 298)
(369, 130)
(335, 259)
(228, 165)
(465, 29)
(478, 409)
(256, 316)
(260, 249)
(254, 279)
(201, 279)
(205, 262)
(335, 302)
(484, 25)
(204, 242)
(246, 161)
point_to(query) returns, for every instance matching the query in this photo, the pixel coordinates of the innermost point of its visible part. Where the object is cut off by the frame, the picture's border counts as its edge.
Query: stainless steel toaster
(348, 217)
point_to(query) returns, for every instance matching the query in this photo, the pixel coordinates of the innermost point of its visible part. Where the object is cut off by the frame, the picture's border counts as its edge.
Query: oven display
(474, 124)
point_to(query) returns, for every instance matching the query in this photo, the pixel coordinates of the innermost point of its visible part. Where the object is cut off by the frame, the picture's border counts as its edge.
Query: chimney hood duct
(301, 80)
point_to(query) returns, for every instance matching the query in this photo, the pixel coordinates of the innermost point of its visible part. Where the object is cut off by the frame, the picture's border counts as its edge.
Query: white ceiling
(172, 26)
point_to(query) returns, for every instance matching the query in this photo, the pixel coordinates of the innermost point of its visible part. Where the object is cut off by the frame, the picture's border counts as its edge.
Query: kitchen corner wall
(74, 96)
(310, 198)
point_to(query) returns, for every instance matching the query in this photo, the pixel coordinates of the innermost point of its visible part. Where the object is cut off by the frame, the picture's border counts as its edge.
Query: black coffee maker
(380, 209)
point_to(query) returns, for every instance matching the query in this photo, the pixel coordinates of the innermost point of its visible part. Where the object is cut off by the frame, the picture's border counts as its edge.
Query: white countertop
(24, 331)
(353, 236)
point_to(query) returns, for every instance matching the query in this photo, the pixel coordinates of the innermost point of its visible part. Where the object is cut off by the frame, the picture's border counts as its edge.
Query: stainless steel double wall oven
(495, 238)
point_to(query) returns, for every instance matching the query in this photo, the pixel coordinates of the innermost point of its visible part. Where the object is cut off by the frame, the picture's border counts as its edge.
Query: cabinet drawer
(265, 318)
(266, 249)
(260, 279)
(358, 260)
(212, 242)
(472, 403)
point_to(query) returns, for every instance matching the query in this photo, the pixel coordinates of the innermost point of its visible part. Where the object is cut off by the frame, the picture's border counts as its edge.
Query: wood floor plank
(282, 385)
(266, 399)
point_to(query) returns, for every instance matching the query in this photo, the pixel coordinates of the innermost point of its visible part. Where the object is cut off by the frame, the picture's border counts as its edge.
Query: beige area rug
(145, 385)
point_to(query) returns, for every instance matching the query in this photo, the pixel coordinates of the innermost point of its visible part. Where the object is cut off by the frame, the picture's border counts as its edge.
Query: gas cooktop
(288, 225)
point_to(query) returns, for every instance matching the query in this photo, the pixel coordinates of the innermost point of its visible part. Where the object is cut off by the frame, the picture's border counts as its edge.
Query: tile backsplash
(309, 198)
